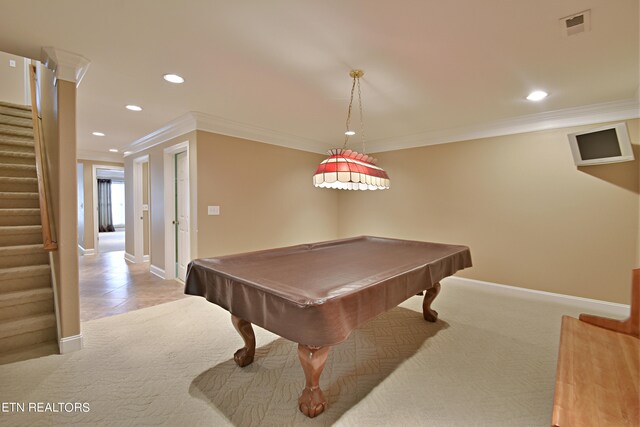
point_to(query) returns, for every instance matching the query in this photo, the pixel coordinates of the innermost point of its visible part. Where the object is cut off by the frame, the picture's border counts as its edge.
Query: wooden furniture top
(598, 379)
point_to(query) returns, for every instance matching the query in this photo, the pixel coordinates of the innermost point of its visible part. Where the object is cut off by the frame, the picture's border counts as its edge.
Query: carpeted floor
(489, 361)
(111, 242)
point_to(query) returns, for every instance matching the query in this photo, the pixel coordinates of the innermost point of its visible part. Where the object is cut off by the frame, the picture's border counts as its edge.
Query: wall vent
(576, 23)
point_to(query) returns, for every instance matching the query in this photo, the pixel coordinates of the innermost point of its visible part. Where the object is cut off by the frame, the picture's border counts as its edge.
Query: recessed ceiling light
(134, 108)
(173, 78)
(126, 153)
(350, 133)
(113, 150)
(537, 95)
(97, 133)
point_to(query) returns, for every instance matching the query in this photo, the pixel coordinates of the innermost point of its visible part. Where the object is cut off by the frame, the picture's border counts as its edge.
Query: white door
(182, 215)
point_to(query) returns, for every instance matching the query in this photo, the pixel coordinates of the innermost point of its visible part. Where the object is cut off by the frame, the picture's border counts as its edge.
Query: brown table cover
(316, 294)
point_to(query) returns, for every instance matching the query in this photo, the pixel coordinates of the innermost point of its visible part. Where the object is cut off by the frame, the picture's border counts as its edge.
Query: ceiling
(282, 66)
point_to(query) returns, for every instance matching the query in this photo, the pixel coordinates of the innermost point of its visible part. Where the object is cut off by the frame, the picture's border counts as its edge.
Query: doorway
(177, 211)
(142, 212)
(109, 204)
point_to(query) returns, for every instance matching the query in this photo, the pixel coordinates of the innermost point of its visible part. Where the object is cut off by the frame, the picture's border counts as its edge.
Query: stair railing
(49, 240)
(48, 230)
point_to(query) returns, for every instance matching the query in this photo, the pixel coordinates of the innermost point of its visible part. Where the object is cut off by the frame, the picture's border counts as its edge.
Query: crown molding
(205, 122)
(175, 128)
(223, 126)
(589, 114)
(577, 116)
(65, 65)
(82, 154)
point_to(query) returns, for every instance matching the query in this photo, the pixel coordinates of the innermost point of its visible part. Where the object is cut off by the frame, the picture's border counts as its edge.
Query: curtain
(105, 222)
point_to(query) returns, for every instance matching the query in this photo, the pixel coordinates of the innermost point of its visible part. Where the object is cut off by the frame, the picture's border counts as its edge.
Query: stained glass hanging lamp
(346, 169)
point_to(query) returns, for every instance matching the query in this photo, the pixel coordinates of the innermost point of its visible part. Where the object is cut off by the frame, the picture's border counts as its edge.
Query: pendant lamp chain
(346, 169)
(356, 74)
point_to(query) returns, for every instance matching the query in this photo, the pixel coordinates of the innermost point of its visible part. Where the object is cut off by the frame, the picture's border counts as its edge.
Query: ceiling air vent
(576, 24)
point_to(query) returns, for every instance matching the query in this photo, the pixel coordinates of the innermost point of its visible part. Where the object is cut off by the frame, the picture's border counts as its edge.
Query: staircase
(27, 317)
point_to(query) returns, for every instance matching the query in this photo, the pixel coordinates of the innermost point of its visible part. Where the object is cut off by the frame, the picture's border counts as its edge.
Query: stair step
(16, 143)
(23, 255)
(23, 278)
(15, 130)
(27, 331)
(29, 302)
(17, 157)
(19, 200)
(15, 106)
(18, 170)
(15, 217)
(26, 324)
(24, 122)
(24, 297)
(17, 184)
(30, 352)
(20, 235)
(16, 112)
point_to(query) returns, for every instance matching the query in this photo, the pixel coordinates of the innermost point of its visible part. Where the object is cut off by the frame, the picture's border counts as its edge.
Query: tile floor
(109, 285)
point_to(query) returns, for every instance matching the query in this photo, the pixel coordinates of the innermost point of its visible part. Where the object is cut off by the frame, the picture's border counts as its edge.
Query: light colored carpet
(489, 361)
(111, 242)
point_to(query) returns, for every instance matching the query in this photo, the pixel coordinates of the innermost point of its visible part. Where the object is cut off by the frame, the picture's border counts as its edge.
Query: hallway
(109, 285)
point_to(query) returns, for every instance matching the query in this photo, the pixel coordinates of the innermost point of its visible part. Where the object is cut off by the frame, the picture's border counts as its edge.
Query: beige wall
(58, 107)
(531, 218)
(265, 195)
(156, 198)
(12, 80)
(89, 226)
(264, 192)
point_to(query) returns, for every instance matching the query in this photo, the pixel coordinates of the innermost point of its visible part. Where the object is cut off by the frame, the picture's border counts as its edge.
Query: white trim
(65, 65)
(175, 128)
(71, 344)
(138, 223)
(220, 125)
(83, 154)
(146, 258)
(612, 308)
(578, 116)
(130, 258)
(84, 251)
(194, 120)
(169, 208)
(56, 301)
(589, 114)
(157, 271)
(26, 62)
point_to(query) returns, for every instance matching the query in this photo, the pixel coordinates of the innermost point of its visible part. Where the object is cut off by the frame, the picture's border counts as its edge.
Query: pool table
(316, 294)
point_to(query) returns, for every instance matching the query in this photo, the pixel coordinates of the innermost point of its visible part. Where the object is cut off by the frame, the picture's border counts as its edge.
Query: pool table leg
(244, 356)
(312, 401)
(429, 314)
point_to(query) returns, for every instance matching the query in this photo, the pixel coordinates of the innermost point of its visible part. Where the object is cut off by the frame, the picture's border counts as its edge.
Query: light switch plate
(12, 63)
(213, 210)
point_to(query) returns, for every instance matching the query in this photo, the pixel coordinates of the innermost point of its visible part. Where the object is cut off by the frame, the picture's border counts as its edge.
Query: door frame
(138, 228)
(94, 178)
(169, 209)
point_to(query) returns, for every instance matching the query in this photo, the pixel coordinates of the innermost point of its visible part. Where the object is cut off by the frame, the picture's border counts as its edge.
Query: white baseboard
(129, 257)
(84, 251)
(70, 344)
(587, 304)
(157, 271)
(145, 258)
